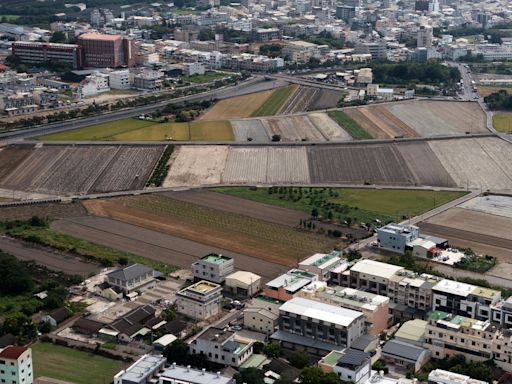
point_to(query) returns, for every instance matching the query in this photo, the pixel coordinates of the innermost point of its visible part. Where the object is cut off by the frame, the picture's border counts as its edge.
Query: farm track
(156, 245)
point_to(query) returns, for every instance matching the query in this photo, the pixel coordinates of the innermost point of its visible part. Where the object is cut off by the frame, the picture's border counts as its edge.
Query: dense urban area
(255, 192)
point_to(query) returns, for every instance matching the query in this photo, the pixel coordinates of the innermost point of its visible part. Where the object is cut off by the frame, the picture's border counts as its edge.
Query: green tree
(314, 375)
(14, 276)
(177, 352)
(272, 350)
(20, 325)
(299, 359)
(250, 376)
(58, 37)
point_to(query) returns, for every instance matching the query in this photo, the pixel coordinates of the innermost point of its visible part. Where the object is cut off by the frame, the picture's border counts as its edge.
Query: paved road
(156, 245)
(56, 261)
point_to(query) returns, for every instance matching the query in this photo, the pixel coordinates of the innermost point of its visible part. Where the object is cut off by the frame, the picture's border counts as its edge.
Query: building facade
(106, 51)
(199, 301)
(16, 365)
(213, 267)
(36, 53)
(132, 278)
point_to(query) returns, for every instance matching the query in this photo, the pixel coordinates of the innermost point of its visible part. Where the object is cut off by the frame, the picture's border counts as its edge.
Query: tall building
(36, 52)
(107, 51)
(16, 365)
(213, 267)
(345, 12)
(424, 37)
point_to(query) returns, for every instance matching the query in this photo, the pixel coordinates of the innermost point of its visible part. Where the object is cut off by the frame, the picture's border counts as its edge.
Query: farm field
(287, 165)
(103, 131)
(237, 233)
(325, 99)
(72, 170)
(476, 163)
(379, 123)
(196, 165)
(237, 107)
(365, 205)
(482, 229)
(219, 130)
(72, 365)
(376, 164)
(299, 101)
(164, 131)
(502, 122)
(252, 128)
(50, 210)
(349, 125)
(157, 246)
(10, 157)
(487, 90)
(438, 118)
(424, 165)
(492, 204)
(329, 127)
(275, 102)
(293, 128)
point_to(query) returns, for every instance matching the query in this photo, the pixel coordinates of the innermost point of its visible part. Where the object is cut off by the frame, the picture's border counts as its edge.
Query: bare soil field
(438, 118)
(246, 166)
(196, 165)
(472, 164)
(364, 122)
(500, 151)
(236, 233)
(10, 157)
(237, 107)
(376, 164)
(51, 211)
(325, 99)
(328, 127)
(156, 245)
(130, 169)
(287, 165)
(424, 165)
(492, 204)
(488, 234)
(51, 259)
(233, 204)
(293, 128)
(251, 128)
(299, 101)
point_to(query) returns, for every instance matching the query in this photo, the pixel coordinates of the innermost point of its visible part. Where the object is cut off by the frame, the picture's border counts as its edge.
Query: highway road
(251, 85)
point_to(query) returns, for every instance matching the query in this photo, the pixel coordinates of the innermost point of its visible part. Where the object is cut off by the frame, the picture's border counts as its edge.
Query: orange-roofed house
(16, 365)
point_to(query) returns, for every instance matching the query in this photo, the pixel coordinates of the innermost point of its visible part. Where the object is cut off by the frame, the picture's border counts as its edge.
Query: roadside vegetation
(431, 73)
(349, 125)
(500, 100)
(206, 78)
(161, 169)
(38, 231)
(348, 205)
(274, 103)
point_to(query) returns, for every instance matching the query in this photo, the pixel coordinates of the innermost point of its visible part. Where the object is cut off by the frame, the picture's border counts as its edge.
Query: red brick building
(102, 51)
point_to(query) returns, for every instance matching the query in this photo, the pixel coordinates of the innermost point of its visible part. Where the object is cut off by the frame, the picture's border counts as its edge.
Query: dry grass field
(234, 232)
(437, 118)
(293, 128)
(246, 166)
(502, 122)
(328, 127)
(249, 129)
(237, 107)
(196, 165)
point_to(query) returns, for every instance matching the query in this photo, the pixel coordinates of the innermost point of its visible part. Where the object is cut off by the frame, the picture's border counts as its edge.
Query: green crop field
(349, 125)
(135, 129)
(360, 205)
(502, 122)
(207, 77)
(103, 131)
(274, 103)
(71, 365)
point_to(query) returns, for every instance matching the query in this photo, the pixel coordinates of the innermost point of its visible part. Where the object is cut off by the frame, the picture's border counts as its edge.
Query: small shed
(243, 284)
(163, 342)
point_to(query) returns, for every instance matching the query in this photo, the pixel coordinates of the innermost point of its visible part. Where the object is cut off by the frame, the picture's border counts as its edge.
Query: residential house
(135, 277)
(213, 267)
(288, 285)
(260, 320)
(404, 356)
(322, 264)
(135, 324)
(56, 316)
(354, 366)
(199, 301)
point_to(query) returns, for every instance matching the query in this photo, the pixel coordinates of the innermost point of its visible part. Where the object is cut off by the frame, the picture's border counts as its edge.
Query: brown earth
(237, 107)
(156, 245)
(10, 157)
(51, 211)
(365, 123)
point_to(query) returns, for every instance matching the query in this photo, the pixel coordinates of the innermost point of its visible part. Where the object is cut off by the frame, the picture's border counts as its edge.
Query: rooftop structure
(142, 370)
(100, 36)
(376, 268)
(289, 284)
(213, 267)
(440, 376)
(187, 375)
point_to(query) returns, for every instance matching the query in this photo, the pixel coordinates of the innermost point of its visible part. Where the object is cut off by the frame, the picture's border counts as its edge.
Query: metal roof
(376, 268)
(402, 350)
(130, 272)
(353, 358)
(189, 375)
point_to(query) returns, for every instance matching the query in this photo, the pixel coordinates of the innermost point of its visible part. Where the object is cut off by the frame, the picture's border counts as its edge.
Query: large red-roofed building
(106, 51)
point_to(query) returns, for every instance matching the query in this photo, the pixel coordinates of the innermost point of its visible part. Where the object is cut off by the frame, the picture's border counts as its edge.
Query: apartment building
(213, 267)
(371, 276)
(16, 365)
(119, 79)
(409, 289)
(322, 264)
(317, 327)
(260, 320)
(37, 53)
(375, 308)
(395, 237)
(300, 51)
(106, 51)
(502, 349)
(464, 299)
(220, 346)
(267, 34)
(199, 301)
(501, 313)
(17, 103)
(148, 80)
(440, 376)
(288, 285)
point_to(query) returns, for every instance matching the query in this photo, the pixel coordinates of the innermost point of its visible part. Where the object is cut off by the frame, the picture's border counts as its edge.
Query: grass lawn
(55, 239)
(103, 131)
(68, 364)
(361, 205)
(164, 131)
(502, 122)
(211, 130)
(274, 103)
(206, 78)
(349, 125)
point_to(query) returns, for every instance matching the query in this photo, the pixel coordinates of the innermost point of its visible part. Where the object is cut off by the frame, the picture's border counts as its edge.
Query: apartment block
(106, 51)
(317, 327)
(412, 290)
(37, 52)
(16, 365)
(199, 301)
(300, 51)
(375, 308)
(322, 264)
(213, 267)
(288, 285)
(220, 346)
(372, 276)
(440, 376)
(464, 299)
